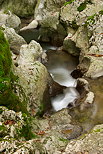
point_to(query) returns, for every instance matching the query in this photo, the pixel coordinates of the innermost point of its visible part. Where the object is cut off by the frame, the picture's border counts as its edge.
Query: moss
(3, 130)
(68, 2)
(101, 12)
(82, 7)
(64, 140)
(97, 130)
(26, 129)
(41, 109)
(1, 111)
(7, 79)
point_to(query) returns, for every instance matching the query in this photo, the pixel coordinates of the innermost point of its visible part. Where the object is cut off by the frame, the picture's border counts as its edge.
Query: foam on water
(60, 65)
(68, 97)
(63, 77)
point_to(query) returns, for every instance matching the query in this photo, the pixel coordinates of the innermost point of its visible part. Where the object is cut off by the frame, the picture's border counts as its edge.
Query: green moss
(64, 140)
(82, 7)
(2, 128)
(97, 130)
(69, 2)
(7, 79)
(90, 20)
(101, 12)
(1, 111)
(41, 109)
(26, 129)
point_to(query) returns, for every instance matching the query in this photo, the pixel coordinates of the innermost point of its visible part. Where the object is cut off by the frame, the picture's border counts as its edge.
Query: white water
(60, 66)
(63, 77)
(68, 97)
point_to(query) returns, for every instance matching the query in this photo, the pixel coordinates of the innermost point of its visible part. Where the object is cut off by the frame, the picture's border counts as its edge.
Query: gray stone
(10, 20)
(14, 39)
(32, 25)
(20, 8)
(91, 143)
(33, 76)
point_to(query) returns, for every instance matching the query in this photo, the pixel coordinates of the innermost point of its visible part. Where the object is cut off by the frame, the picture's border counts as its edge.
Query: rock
(71, 13)
(32, 25)
(90, 98)
(14, 39)
(10, 20)
(35, 79)
(51, 20)
(45, 8)
(47, 14)
(16, 134)
(89, 143)
(56, 130)
(96, 48)
(30, 53)
(7, 78)
(3, 18)
(86, 96)
(19, 10)
(54, 36)
(70, 47)
(88, 38)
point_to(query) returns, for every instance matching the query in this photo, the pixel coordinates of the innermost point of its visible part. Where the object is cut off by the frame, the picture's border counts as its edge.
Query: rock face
(21, 8)
(33, 75)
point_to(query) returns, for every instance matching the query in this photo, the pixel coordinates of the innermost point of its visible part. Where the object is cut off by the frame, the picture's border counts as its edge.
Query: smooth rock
(14, 39)
(32, 25)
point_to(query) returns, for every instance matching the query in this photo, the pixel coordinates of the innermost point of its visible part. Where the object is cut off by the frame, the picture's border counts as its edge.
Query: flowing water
(60, 65)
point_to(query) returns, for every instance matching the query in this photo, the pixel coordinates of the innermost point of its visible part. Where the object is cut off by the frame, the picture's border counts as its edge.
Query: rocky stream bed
(51, 77)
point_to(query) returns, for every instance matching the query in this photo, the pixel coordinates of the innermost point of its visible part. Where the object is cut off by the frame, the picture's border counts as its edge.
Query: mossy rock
(7, 96)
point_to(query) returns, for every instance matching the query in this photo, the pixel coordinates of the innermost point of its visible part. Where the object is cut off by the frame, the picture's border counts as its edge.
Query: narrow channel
(60, 65)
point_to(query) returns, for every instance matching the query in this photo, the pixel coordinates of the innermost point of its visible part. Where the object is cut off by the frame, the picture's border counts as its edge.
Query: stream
(60, 65)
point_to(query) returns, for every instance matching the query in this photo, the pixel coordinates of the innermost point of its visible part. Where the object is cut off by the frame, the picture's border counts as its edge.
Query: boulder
(89, 143)
(14, 39)
(55, 130)
(20, 8)
(10, 20)
(33, 76)
(87, 20)
(32, 25)
(78, 12)
(47, 7)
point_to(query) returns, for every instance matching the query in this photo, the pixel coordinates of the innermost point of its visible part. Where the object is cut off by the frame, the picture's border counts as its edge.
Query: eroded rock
(33, 76)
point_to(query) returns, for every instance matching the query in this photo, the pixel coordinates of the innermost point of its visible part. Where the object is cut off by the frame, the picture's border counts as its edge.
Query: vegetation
(26, 130)
(7, 97)
(69, 2)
